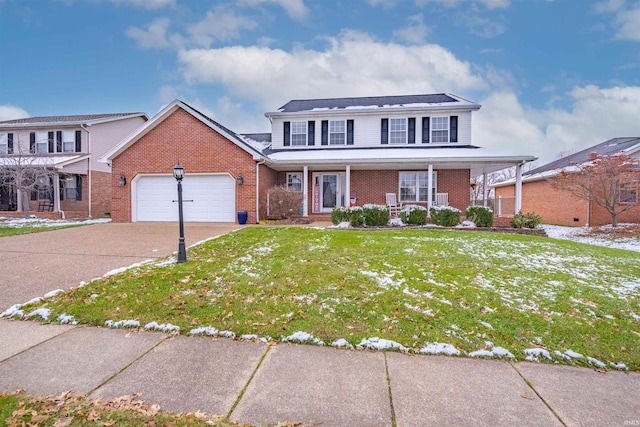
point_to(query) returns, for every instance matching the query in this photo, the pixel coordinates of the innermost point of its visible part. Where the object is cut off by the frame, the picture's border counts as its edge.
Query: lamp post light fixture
(178, 174)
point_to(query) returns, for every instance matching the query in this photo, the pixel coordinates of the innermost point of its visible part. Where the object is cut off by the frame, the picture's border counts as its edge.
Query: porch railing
(503, 206)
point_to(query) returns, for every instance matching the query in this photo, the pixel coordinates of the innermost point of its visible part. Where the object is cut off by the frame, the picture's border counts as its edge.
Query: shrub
(357, 216)
(340, 214)
(445, 216)
(528, 220)
(283, 202)
(414, 214)
(376, 215)
(480, 215)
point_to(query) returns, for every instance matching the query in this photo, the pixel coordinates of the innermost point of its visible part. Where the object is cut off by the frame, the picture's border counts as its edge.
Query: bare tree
(26, 171)
(608, 181)
(478, 183)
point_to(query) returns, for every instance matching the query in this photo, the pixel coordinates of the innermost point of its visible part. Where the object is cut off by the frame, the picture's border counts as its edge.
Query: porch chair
(394, 206)
(45, 206)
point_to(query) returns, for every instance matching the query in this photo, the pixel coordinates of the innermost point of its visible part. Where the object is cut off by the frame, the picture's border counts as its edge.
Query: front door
(329, 190)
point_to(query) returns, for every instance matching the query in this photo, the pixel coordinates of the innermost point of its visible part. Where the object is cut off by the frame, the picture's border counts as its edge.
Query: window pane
(440, 129)
(68, 141)
(3, 143)
(408, 187)
(298, 133)
(397, 131)
(337, 134)
(294, 181)
(42, 142)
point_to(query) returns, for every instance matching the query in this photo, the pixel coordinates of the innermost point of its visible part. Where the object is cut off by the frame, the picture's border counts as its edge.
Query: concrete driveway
(34, 264)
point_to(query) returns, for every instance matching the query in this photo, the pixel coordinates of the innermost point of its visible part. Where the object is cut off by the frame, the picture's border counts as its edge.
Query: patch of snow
(205, 330)
(533, 354)
(573, 354)
(42, 312)
(481, 353)
(44, 222)
(226, 334)
(385, 280)
(376, 343)
(122, 269)
(342, 343)
(494, 352)
(343, 224)
(439, 348)
(249, 337)
(574, 234)
(301, 337)
(122, 324)
(164, 327)
(12, 311)
(396, 222)
(466, 224)
(620, 366)
(596, 362)
(68, 319)
(53, 293)
(486, 324)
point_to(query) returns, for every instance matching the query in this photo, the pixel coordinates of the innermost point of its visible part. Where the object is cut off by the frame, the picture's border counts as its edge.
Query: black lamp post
(178, 174)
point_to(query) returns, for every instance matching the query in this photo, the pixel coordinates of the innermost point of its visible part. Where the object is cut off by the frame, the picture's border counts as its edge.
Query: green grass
(14, 231)
(472, 290)
(20, 409)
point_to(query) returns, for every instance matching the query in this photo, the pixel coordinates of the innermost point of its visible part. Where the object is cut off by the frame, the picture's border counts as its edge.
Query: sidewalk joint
(244, 389)
(528, 383)
(393, 412)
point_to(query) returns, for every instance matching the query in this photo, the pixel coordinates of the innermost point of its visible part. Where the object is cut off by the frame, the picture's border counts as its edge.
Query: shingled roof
(371, 101)
(81, 118)
(607, 148)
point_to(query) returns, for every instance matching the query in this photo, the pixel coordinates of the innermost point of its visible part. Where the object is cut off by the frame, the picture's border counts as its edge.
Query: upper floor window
(298, 133)
(68, 141)
(294, 181)
(337, 132)
(398, 131)
(42, 142)
(4, 143)
(440, 129)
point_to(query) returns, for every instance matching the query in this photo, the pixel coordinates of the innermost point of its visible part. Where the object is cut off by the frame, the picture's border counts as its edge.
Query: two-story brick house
(330, 150)
(70, 146)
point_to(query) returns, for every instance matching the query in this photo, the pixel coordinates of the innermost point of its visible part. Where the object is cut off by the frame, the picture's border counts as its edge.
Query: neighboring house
(70, 146)
(562, 208)
(329, 150)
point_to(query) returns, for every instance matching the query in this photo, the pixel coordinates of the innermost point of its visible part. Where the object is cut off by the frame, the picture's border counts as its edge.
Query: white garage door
(213, 198)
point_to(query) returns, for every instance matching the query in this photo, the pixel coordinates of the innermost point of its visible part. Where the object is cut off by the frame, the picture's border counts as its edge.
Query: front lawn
(13, 231)
(418, 290)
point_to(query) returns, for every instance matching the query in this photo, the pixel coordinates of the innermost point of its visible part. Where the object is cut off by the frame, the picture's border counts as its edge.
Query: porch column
(305, 191)
(56, 192)
(19, 201)
(518, 187)
(429, 189)
(485, 189)
(347, 184)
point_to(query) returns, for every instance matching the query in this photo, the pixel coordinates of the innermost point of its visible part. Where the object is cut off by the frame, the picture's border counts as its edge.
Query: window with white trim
(337, 132)
(398, 131)
(4, 143)
(298, 133)
(294, 181)
(42, 142)
(68, 141)
(70, 188)
(414, 186)
(629, 193)
(439, 129)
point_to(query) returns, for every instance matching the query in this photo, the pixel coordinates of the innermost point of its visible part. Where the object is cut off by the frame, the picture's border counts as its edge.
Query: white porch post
(347, 185)
(485, 189)
(429, 189)
(305, 191)
(19, 201)
(56, 192)
(518, 187)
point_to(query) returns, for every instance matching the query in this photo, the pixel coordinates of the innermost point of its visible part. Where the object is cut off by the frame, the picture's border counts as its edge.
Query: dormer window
(398, 131)
(299, 133)
(337, 132)
(439, 129)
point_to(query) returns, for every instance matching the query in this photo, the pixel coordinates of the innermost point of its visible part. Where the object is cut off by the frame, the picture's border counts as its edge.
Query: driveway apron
(37, 263)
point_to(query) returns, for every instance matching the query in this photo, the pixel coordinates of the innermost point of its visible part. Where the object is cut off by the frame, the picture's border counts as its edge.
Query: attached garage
(207, 198)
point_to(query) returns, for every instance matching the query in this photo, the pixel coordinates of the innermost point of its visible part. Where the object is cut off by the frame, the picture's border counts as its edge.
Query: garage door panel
(208, 198)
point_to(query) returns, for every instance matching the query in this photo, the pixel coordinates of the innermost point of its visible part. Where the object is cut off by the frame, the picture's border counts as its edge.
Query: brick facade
(560, 207)
(200, 149)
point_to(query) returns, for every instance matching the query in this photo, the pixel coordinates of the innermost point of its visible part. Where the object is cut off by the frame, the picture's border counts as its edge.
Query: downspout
(83, 126)
(258, 190)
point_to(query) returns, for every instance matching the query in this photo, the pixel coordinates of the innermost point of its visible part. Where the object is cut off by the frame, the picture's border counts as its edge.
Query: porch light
(178, 172)
(122, 181)
(240, 179)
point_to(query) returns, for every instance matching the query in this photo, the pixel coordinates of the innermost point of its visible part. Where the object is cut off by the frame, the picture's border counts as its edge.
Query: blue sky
(552, 75)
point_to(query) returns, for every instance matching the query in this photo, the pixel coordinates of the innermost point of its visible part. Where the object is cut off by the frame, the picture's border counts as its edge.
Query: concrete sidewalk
(256, 383)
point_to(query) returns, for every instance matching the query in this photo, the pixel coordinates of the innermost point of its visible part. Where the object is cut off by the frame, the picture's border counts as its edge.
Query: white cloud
(220, 23)
(489, 4)
(415, 32)
(385, 4)
(155, 35)
(294, 8)
(595, 115)
(609, 6)
(12, 112)
(354, 64)
(626, 19)
(145, 4)
(480, 26)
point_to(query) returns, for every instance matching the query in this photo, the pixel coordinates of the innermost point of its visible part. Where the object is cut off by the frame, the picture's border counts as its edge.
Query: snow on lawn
(576, 234)
(43, 222)
(439, 348)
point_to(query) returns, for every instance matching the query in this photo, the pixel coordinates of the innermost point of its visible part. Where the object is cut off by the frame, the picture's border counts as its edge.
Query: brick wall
(560, 207)
(200, 149)
(268, 179)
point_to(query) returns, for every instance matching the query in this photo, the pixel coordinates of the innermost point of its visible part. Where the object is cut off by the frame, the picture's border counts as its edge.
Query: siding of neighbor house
(104, 136)
(367, 128)
(200, 149)
(561, 208)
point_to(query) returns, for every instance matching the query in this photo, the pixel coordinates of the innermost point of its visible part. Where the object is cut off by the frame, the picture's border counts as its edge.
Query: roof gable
(166, 112)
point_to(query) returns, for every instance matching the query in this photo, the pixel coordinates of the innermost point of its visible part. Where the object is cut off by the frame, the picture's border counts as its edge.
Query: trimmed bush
(528, 220)
(445, 216)
(283, 202)
(414, 214)
(340, 214)
(357, 216)
(480, 215)
(376, 215)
